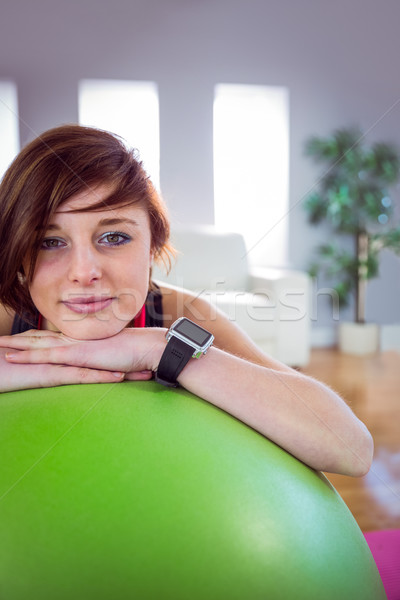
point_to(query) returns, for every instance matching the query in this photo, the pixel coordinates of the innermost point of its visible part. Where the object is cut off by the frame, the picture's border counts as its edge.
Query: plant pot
(358, 338)
(390, 337)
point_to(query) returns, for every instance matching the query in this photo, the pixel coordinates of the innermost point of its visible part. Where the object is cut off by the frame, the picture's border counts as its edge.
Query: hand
(26, 376)
(134, 352)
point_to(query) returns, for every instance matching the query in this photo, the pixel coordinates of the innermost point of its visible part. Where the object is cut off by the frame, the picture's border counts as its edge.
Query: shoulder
(6, 320)
(178, 302)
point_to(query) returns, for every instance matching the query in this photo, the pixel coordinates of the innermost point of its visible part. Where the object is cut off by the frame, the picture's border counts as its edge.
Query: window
(129, 109)
(251, 165)
(9, 146)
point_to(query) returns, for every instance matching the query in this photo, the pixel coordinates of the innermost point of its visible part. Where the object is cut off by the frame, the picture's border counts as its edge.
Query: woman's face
(92, 273)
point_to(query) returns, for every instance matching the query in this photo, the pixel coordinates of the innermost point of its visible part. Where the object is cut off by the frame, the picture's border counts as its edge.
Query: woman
(80, 228)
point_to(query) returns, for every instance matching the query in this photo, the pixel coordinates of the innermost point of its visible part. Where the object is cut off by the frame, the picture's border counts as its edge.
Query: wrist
(145, 347)
(157, 347)
(185, 340)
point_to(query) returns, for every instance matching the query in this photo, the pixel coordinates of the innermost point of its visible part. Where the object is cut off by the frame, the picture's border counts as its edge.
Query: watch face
(193, 332)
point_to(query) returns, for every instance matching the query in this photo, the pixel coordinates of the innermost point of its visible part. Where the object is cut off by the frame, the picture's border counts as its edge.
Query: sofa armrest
(289, 292)
(261, 275)
(288, 289)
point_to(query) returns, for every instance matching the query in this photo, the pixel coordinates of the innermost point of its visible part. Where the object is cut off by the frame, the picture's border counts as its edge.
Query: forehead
(87, 198)
(83, 203)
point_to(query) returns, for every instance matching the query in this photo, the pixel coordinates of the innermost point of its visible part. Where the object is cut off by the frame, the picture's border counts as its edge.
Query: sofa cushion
(254, 313)
(207, 259)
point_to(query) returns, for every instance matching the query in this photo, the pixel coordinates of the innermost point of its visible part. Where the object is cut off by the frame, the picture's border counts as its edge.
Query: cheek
(130, 277)
(137, 274)
(44, 283)
(44, 275)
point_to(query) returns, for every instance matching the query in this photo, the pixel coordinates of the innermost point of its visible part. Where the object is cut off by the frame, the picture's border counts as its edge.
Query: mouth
(87, 304)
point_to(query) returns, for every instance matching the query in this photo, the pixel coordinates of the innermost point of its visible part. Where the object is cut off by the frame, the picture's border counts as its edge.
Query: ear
(21, 276)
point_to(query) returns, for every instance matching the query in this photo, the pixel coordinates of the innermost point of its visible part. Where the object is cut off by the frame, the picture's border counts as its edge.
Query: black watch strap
(175, 357)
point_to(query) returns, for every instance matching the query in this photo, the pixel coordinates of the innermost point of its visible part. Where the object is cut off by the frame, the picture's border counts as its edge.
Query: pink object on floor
(385, 548)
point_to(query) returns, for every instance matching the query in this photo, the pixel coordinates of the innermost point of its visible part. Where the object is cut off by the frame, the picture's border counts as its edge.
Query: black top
(153, 305)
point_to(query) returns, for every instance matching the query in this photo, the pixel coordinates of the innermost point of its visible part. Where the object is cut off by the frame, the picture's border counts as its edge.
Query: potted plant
(353, 197)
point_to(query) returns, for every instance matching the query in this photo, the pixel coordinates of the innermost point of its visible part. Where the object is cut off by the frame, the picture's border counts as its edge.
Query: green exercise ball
(133, 490)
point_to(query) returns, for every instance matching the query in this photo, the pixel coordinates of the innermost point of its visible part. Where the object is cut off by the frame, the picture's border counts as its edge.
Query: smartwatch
(185, 340)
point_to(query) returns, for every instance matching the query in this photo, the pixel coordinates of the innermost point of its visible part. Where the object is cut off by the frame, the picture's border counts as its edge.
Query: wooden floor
(371, 386)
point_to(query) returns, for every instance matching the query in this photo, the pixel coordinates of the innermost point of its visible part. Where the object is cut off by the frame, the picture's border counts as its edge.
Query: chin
(92, 331)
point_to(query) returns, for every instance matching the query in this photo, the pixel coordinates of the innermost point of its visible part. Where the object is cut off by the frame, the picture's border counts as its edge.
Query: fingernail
(118, 374)
(10, 355)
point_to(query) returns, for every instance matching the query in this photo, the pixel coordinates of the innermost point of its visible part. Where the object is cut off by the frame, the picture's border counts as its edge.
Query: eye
(115, 238)
(51, 243)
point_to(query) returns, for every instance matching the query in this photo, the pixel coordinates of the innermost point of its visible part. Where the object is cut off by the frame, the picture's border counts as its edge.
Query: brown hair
(51, 169)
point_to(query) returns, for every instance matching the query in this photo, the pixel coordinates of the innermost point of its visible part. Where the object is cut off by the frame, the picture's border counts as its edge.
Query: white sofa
(271, 305)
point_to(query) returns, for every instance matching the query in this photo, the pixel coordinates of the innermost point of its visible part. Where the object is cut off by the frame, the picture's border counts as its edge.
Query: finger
(25, 341)
(78, 355)
(22, 377)
(139, 376)
(56, 355)
(55, 375)
(33, 333)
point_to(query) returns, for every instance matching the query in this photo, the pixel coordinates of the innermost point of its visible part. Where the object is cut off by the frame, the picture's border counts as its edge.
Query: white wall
(338, 59)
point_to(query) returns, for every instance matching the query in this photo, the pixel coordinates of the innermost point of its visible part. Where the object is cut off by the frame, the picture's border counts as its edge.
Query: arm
(300, 414)
(26, 376)
(6, 320)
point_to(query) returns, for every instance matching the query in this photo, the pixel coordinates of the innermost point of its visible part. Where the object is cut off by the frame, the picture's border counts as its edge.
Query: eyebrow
(102, 223)
(116, 221)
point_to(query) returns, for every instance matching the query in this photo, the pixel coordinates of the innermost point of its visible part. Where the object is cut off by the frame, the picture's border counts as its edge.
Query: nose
(84, 266)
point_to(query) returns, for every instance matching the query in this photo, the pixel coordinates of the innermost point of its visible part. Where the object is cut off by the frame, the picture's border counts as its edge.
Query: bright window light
(129, 109)
(9, 145)
(251, 167)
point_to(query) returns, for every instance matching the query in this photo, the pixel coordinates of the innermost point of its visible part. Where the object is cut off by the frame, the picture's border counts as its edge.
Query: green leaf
(372, 265)
(390, 239)
(343, 290)
(352, 196)
(321, 149)
(316, 206)
(387, 162)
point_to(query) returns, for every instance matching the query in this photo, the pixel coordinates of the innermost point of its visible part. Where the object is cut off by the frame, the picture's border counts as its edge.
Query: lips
(87, 304)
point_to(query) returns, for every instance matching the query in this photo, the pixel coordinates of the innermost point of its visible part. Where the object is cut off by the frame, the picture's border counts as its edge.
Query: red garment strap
(140, 319)
(39, 323)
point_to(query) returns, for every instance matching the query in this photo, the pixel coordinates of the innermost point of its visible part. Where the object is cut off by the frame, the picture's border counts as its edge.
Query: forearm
(300, 414)
(27, 376)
